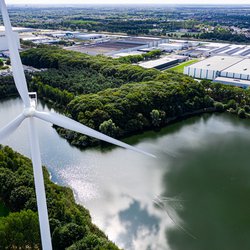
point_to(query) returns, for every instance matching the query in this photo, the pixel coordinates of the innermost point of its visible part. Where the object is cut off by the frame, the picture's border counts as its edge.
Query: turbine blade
(11, 127)
(39, 187)
(70, 124)
(17, 66)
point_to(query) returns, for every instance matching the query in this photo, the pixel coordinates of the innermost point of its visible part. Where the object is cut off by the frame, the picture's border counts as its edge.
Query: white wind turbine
(31, 113)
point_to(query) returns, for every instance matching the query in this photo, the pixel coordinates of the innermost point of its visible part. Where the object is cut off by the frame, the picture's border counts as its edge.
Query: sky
(127, 1)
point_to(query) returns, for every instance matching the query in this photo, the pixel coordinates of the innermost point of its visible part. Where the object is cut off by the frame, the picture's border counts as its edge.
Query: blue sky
(127, 1)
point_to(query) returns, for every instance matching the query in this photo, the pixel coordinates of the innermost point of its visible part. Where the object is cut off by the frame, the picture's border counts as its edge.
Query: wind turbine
(31, 113)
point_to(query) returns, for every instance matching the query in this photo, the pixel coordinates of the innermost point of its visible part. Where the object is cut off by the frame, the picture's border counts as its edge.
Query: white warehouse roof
(243, 67)
(231, 81)
(154, 63)
(217, 63)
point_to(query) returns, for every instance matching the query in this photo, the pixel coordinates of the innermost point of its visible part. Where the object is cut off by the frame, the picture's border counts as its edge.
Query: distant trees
(137, 58)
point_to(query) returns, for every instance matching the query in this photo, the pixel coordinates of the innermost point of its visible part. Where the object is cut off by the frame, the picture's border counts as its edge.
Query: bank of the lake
(199, 182)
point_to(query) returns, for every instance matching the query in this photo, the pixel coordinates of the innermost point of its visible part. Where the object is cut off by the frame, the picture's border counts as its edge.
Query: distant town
(211, 42)
(184, 36)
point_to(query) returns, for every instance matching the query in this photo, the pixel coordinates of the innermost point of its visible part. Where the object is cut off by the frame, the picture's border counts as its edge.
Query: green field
(180, 68)
(3, 210)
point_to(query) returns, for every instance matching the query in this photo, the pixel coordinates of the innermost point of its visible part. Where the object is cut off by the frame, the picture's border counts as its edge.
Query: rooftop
(242, 67)
(103, 48)
(17, 29)
(217, 63)
(158, 62)
(232, 81)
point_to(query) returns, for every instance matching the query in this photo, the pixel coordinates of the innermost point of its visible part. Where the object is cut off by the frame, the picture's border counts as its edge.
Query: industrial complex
(220, 62)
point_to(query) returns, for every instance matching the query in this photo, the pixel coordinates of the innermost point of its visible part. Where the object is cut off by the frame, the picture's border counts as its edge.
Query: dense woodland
(131, 100)
(120, 99)
(139, 98)
(70, 224)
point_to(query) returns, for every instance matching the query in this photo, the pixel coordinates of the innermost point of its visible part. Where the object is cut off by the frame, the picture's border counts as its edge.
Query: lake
(194, 196)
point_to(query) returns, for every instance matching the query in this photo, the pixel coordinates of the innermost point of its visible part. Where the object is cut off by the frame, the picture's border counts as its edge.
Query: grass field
(180, 68)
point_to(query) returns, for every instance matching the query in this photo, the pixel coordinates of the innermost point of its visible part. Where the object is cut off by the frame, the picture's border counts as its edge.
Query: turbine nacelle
(29, 112)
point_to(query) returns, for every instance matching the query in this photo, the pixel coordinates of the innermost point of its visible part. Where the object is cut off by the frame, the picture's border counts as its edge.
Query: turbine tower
(31, 113)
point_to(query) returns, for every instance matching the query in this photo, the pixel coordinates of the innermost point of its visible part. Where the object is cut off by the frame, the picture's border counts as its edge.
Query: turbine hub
(29, 112)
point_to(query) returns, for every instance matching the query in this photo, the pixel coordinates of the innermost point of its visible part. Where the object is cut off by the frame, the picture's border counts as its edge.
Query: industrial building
(164, 62)
(117, 45)
(223, 69)
(239, 70)
(4, 42)
(231, 81)
(18, 29)
(150, 41)
(131, 53)
(210, 68)
(169, 47)
(81, 36)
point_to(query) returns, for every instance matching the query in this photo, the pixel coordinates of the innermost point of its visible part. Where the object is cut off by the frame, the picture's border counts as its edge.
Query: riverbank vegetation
(121, 99)
(70, 223)
(132, 99)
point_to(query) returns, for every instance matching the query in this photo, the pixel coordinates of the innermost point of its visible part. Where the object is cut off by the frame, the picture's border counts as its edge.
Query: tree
(156, 119)
(109, 128)
(219, 106)
(65, 236)
(241, 113)
(1, 63)
(19, 231)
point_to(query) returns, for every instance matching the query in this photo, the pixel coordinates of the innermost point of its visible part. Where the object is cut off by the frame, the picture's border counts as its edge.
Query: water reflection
(200, 175)
(215, 184)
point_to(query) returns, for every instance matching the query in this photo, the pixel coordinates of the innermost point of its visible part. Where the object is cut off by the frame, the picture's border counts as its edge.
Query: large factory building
(222, 69)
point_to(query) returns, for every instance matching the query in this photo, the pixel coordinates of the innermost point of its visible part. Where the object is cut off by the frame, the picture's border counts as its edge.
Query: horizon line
(197, 4)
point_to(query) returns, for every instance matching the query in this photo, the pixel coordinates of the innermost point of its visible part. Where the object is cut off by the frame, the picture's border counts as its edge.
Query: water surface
(195, 195)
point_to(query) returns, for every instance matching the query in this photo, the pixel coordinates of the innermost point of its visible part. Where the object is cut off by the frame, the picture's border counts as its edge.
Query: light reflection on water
(119, 187)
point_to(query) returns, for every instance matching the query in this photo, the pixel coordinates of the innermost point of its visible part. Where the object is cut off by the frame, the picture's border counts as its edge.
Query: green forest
(70, 223)
(120, 99)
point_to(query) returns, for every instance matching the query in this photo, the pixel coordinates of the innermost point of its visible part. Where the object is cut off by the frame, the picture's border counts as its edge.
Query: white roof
(232, 81)
(234, 46)
(158, 62)
(17, 29)
(148, 37)
(131, 53)
(216, 63)
(242, 67)
(88, 35)
(242, 51)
